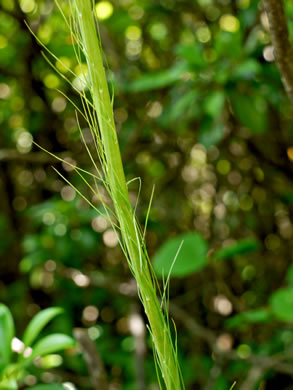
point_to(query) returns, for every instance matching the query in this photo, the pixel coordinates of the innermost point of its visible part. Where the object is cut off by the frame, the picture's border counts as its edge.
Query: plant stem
(138, 261)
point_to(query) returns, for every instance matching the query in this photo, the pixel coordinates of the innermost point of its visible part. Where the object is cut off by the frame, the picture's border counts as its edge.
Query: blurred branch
(95, 365)
(35, 157)
(191, 324)
(280, 39)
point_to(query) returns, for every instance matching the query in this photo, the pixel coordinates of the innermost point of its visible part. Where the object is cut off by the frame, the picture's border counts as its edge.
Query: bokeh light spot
(104, 10)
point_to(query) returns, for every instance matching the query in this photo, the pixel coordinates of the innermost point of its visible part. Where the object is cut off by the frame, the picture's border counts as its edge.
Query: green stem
(159, 326)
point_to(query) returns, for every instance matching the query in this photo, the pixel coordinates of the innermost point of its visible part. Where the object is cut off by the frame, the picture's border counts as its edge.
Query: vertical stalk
(159, 327)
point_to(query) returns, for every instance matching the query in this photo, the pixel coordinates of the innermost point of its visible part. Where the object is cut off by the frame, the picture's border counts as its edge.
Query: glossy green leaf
(251, 111)
(249, 317)
(50, 344)
(214, 103)
(192, 54)
(281, 303)
(9, 384)
(211, 133)
(191, 256)
(157, 80)
(6, 335)
(39, 321)
(241, 247)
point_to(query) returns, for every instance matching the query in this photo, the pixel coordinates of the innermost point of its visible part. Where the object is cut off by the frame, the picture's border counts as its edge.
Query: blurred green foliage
(201, 113)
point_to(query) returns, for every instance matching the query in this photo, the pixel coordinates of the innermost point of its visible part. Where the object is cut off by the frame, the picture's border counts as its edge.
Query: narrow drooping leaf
(50, 344)
(240, 247)
(6, 335)
(249, 317)
(39, 321)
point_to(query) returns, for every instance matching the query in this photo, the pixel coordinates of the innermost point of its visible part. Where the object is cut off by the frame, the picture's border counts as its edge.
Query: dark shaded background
(202, 114)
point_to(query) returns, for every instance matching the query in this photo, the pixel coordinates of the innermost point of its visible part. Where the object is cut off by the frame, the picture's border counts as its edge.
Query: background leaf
(52, 343)
(6, 335)
(240, 247)
(39, 321)
(281, 303)
(191, 257)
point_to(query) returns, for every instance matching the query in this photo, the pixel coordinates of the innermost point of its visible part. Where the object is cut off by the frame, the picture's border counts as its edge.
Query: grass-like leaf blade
(39, 321)
(6, 335)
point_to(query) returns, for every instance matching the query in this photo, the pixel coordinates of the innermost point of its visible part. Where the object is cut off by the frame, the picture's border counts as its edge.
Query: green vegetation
(201, 207)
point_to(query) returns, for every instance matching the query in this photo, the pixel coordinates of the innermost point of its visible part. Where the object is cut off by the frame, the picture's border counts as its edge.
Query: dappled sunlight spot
(15, 121)
(27, 352)
(133, 49)
(248, 272)
(122, 325)
(190, 173)
(290, 153)
(203, 34)
(90, 314)
(104, 9)
(51, 361)
(17, 345)
(69, 386)
(25, 178)
(51, 81)
(27, 5)
(30, 380)
(245, 202)
(265, 21)
(234, 178)
(63, 64)
(80, 279)
(69, 164)
(224, 342)
(45, 33)
(243, 4)
(154, 109)
(110, 238)
(5, 90)
(68, 193)
(17, 103)
(19, 203)
(100, 224)
(268, 53)
(120, 115)
(60, 229)
(136, 324)
(223, 167)
(212, 13)
(158, 31)
(244, 351)
(272, 242)
(24, 142)
(47, 377)
(222, 305)
(80, 83)
(133, 33)
(48, 218)
(3, 42)
(220, 211)
(229, 23)
(198, 155)
(94, 332)
(50, 265)
(136, 12)
(59, 104)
